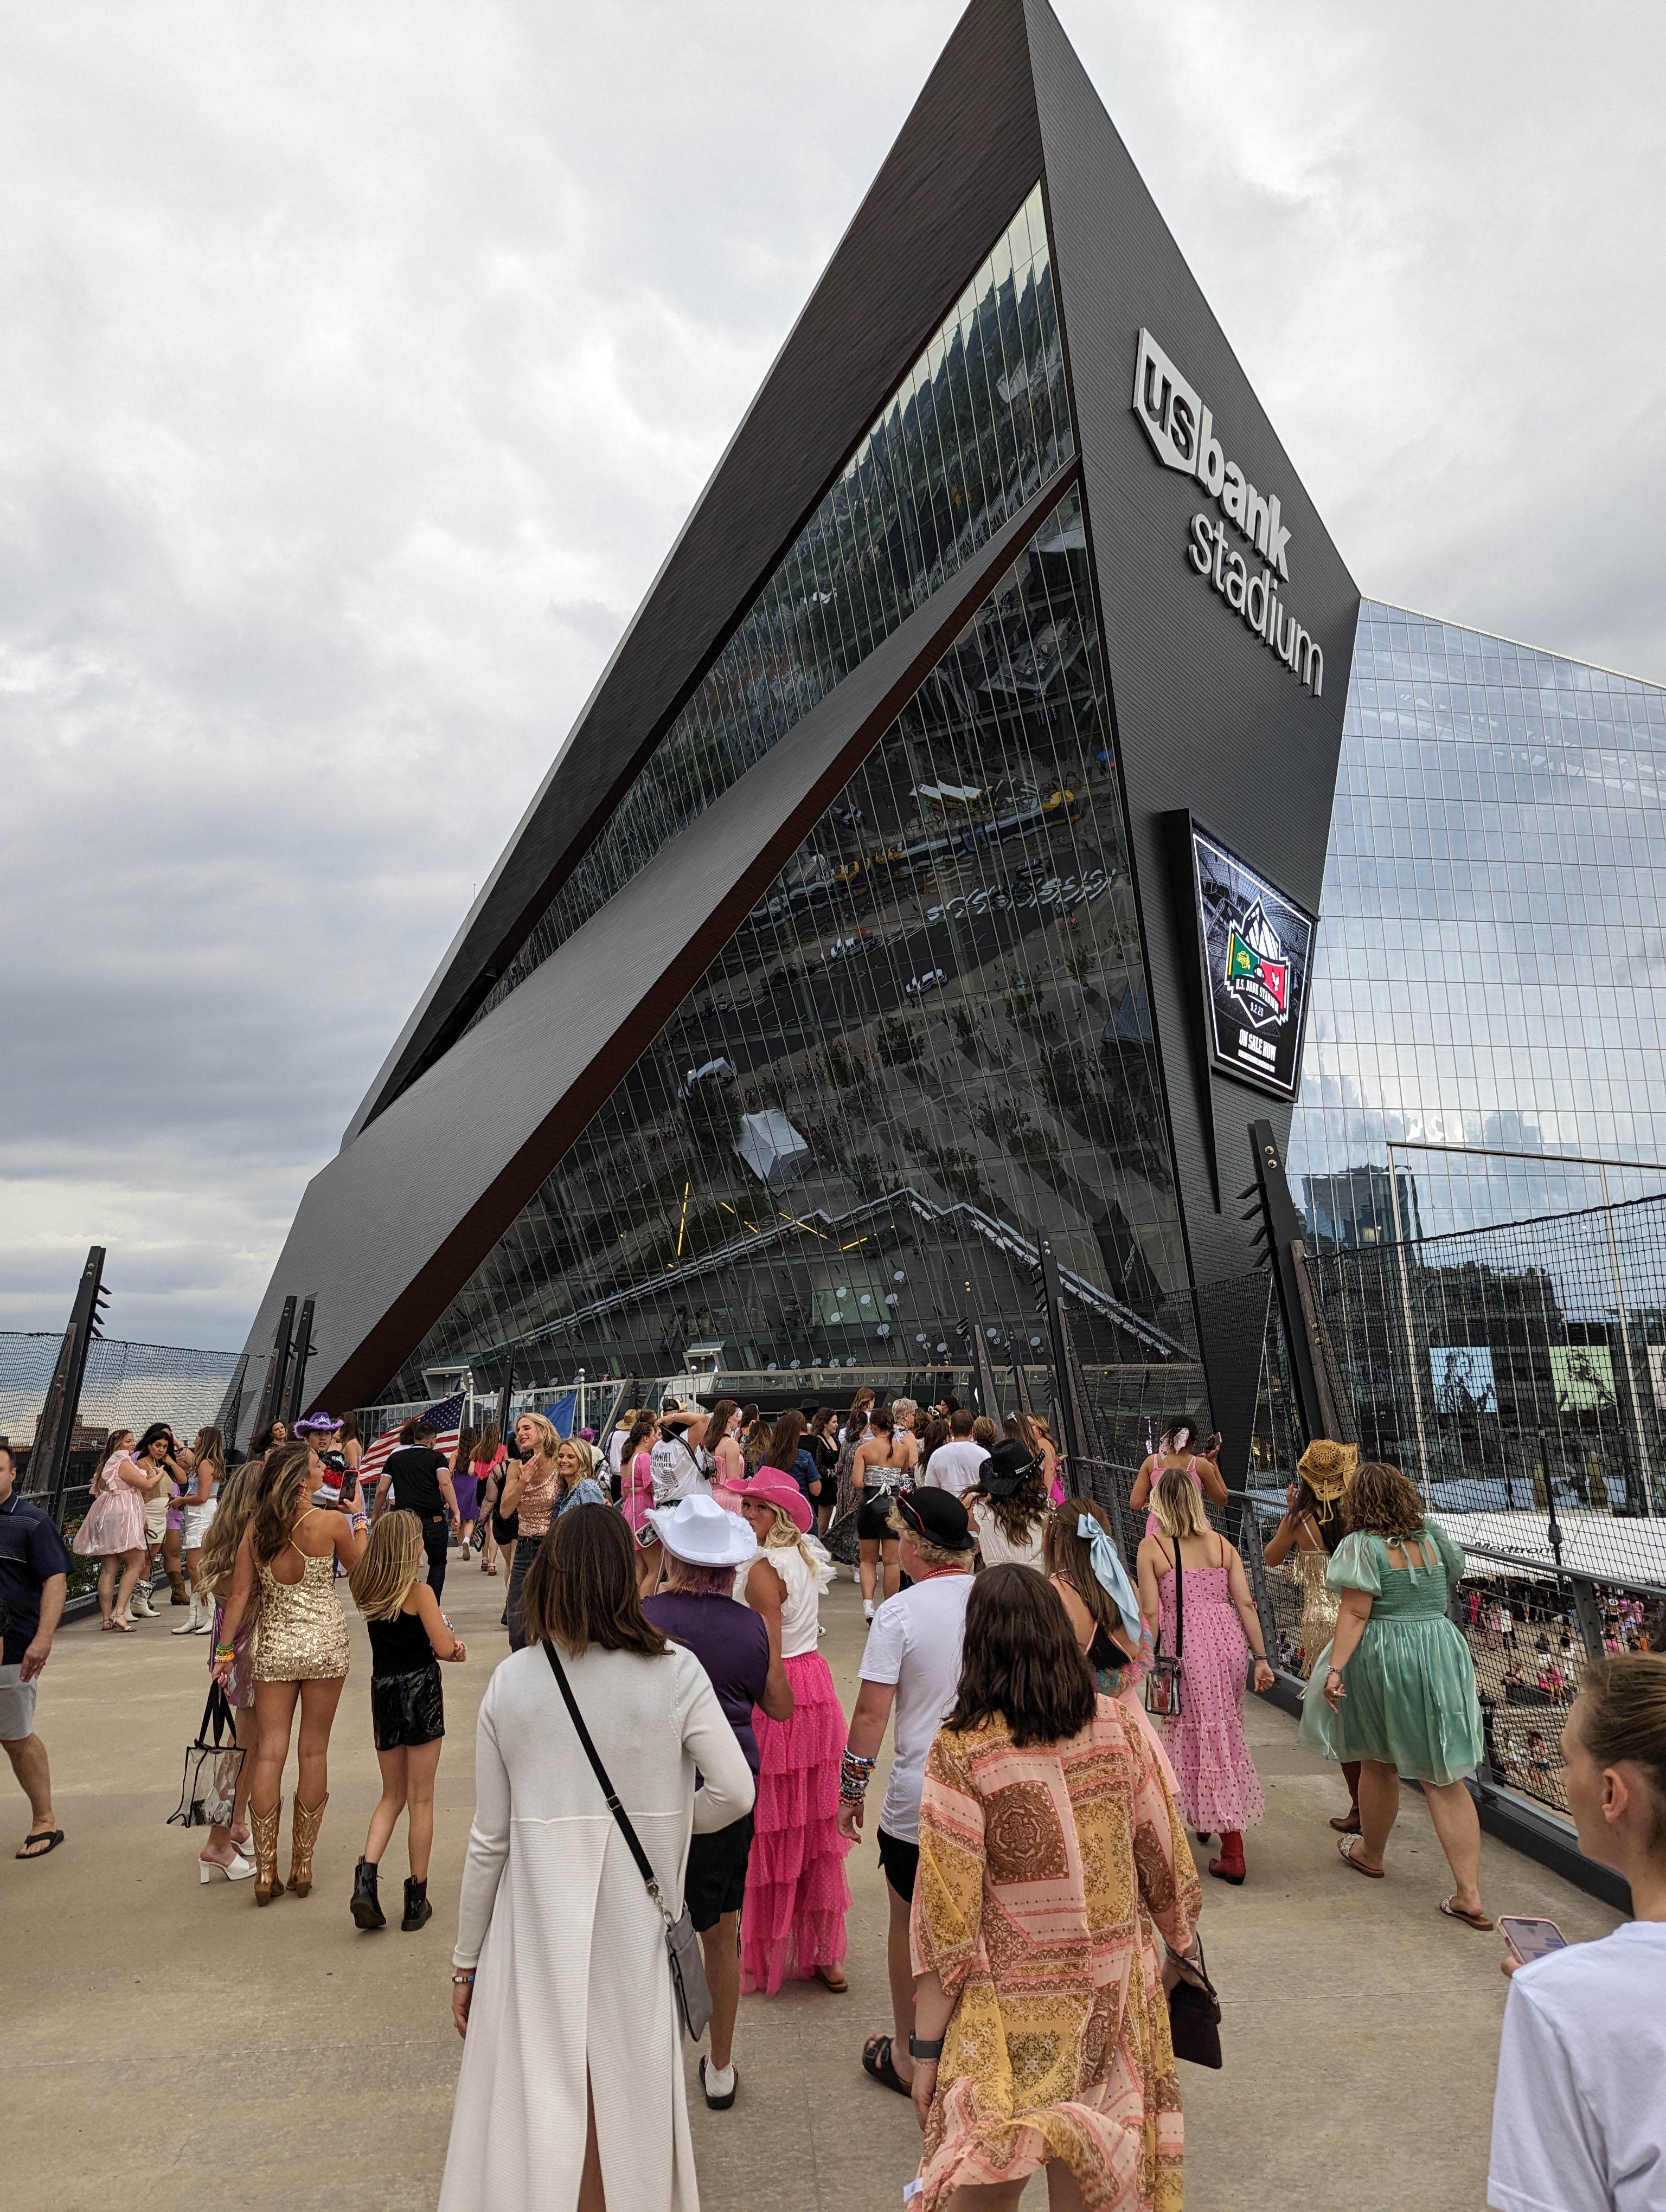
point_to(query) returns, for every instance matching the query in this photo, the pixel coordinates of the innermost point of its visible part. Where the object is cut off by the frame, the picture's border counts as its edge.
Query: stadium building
(1001, 801)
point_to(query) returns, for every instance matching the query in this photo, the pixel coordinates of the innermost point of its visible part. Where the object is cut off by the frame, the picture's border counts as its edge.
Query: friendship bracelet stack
(854, 1773)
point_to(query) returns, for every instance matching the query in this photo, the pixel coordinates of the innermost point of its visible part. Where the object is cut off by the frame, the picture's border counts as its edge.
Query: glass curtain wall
(929, 1045)
(978, 424)
(1492, 960)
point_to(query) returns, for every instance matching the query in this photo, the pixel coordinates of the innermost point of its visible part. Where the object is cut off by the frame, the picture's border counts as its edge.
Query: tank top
(536, 1500)
(398, 1646)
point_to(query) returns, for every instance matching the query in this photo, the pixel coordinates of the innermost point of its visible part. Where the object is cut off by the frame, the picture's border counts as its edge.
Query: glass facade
(928, 1046)
(1492, 958)
(981, 421)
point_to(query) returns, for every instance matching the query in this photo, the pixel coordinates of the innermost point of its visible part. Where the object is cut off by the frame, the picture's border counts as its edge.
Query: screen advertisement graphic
(1257, 950)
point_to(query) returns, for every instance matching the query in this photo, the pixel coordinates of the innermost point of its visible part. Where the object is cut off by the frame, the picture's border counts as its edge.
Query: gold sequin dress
(303, 1635)
(1320, 1605)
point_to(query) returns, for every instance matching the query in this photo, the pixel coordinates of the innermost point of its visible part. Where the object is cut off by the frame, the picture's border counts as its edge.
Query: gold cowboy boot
(303, 1834)
(262, 1827)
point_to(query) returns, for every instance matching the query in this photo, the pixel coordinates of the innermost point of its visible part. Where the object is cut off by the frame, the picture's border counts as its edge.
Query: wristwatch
(919, 2050)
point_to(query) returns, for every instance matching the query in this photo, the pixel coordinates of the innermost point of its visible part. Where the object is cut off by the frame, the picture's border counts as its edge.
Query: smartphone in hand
(1530, 1939)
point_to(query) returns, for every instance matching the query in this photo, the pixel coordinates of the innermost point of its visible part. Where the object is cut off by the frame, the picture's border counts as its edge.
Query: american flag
(445, 1420)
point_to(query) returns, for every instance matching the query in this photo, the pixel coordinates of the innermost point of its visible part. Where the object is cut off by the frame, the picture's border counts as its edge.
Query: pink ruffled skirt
(797, 1896)
(115, 1523)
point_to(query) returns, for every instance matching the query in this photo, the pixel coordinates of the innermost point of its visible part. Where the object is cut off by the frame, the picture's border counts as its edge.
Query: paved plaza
(171, 2044)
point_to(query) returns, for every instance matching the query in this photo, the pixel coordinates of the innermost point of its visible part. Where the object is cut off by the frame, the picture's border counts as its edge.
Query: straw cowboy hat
(1325, 1468)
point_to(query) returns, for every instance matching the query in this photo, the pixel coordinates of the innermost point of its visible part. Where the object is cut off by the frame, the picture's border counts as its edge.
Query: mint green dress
(1411, 1683)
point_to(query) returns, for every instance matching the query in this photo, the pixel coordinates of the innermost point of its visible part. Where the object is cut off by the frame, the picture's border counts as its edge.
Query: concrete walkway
(170, 2045)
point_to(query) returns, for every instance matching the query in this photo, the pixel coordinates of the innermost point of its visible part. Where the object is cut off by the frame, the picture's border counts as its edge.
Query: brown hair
(287, 1473)
(784, 1441)
(1015, 1517)
(581, 1588)
(1621, 1718)
(1382, 1501)
(210, 1446)
(486, 1449)
(1065, 1554)
(349, 1429)
(239, 1495)
(1020, 1661)
(414, 1431)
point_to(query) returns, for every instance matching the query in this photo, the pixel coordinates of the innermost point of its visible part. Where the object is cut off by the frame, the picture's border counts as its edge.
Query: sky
(357, 367)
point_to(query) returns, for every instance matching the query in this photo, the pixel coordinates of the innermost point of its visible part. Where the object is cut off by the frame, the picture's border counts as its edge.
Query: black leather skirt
(407, 1708)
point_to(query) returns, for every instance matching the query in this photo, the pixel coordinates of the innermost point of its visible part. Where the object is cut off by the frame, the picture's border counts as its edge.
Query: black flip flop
(876, 2063)
(50, 1837)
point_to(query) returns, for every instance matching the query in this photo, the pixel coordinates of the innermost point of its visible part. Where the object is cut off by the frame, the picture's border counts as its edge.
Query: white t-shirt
(678, 1471)
(915, 1642)
(954, 1466)
(1579, 2116)
(615, 1444)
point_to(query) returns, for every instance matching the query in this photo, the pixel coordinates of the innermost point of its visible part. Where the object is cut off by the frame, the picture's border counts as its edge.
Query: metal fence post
(54, 1435)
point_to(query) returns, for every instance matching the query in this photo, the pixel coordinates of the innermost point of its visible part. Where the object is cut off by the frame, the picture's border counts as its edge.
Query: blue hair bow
(1111, 1575)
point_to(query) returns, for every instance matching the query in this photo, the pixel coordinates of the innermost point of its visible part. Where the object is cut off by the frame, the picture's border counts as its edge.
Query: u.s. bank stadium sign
(1182, 430)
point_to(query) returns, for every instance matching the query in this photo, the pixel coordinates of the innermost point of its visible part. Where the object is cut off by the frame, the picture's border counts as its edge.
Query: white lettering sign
(1182, 431)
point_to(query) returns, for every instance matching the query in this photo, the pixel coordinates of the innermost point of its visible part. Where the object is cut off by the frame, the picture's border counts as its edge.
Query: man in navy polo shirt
(34, 1576)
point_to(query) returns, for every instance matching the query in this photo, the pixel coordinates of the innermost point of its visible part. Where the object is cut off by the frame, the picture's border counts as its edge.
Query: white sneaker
(867, 1608)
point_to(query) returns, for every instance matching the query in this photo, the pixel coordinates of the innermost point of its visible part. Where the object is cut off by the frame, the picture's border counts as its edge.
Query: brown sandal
(1344, 1852)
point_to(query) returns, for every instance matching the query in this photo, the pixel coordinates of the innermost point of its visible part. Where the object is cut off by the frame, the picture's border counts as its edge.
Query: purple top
(730, 1643)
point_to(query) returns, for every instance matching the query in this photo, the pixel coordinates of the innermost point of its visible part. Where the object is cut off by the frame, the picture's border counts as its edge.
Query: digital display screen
(1257, 952)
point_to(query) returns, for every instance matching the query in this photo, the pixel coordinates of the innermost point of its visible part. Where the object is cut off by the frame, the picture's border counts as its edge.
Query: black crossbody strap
(643, 1865)
(1179, 1602)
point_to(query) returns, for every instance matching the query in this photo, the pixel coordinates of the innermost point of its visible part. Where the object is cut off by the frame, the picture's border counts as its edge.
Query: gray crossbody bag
(688, 1966)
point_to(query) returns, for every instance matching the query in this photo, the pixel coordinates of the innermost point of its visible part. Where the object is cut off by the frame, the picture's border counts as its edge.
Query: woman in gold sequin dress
(288, 1554)
(1311, 1529)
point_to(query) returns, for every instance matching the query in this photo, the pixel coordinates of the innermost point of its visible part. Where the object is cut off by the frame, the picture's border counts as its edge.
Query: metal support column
(277, 1370)
(54, 1434)
(296, 1402)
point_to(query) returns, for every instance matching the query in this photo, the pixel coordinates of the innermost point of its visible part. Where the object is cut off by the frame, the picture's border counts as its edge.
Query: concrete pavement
(170, 2045)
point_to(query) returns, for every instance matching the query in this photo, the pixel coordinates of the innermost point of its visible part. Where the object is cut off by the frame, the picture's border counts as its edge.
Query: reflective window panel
(980, 420)
(1492, 961)
(929, 1045)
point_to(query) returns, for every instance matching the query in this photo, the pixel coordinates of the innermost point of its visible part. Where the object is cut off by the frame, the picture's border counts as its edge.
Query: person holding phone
(1578, 2116)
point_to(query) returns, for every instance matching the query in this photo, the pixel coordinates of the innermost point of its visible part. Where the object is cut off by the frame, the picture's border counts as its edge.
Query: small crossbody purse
(1162, 1690)
(688, 1966)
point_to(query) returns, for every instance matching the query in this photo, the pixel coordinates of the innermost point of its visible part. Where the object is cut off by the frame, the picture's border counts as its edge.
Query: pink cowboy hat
(772, 1486)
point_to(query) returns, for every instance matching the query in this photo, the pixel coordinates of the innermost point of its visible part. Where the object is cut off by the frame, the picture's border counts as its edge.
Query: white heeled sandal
(239, 1870)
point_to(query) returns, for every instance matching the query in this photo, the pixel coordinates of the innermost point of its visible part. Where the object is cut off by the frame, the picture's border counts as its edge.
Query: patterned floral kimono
(1042, 1874)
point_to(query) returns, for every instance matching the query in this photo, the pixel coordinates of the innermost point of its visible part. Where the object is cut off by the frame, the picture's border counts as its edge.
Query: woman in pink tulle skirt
(797, 1897)
(114, 1531)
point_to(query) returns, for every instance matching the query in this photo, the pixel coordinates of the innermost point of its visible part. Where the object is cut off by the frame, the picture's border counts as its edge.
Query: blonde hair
(544, 1430)
(785, 1535)
(381, 1576)
(238, 1495)
(1178, 1505)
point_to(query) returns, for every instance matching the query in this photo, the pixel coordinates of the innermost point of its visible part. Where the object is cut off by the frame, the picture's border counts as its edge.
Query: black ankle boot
(366, 1907)
(419, 1910)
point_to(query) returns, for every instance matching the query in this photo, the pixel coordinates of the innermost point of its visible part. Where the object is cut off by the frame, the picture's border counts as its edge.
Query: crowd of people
(664, 1771)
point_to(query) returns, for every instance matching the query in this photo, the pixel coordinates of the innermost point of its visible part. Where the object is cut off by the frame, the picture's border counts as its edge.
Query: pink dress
(1219, 1788)
(797, 1896)
(1154, 1526)
(636, 1488)
(115, 1519)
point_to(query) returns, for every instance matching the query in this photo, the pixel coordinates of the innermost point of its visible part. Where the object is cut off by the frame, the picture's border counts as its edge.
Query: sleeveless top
(801, 1594)
(537, 1501)
(399, 1646)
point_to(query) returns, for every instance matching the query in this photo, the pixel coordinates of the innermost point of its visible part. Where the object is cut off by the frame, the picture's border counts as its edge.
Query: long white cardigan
(569, 1947)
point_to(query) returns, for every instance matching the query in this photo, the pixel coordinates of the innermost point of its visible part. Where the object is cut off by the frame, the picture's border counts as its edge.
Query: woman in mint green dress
(1399, 1685)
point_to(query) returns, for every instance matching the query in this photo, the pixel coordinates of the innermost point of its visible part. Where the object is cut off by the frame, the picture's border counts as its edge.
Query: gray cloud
(361, 364)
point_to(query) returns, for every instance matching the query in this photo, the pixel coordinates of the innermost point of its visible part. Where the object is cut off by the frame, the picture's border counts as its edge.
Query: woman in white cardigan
(571, 2092)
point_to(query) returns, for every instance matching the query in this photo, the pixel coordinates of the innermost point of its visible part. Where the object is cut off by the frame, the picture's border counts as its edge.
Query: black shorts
(873, 1515)
(715, 1882)
(406, 1709)
(901, 1863)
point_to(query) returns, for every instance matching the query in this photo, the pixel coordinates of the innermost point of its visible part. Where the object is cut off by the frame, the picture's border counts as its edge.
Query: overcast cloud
(358, 367)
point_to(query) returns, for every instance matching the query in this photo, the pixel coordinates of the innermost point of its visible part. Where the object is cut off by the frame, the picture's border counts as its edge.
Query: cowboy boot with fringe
(263, 1830)
(303, 1834)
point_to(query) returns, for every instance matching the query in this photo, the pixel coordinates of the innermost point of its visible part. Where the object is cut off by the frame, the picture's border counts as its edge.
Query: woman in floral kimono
(1051, 1856)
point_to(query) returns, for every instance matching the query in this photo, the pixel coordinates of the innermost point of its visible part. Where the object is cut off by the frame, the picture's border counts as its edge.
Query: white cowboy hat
(699, 1531)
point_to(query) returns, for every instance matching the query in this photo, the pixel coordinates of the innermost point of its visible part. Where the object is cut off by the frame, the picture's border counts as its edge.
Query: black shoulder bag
(1163, 1692)
(1195, 2017)
(688, 1967)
